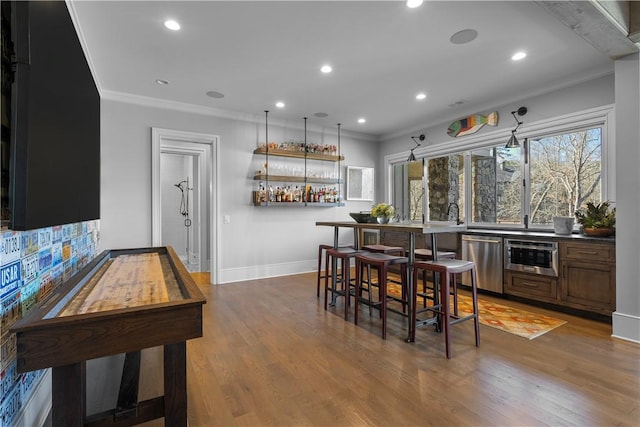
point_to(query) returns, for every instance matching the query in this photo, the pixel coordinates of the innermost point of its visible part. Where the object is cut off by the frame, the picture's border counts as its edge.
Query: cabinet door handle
(531, 285)
(588, 252)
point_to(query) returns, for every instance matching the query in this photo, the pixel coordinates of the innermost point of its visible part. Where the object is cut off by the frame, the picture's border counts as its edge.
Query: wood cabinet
(588, 276)
(586, 280)
(532, 286)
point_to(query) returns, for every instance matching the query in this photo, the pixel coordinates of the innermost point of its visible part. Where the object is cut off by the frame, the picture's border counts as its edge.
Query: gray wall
(626, 319)
(621, 89)
(262, 242)
(258, 242)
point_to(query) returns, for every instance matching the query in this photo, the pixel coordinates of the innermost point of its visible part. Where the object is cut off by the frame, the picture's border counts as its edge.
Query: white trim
(147, 101)
(516, 99)
(83, 42)
(241, 274)
(161, 142)
(627, 327)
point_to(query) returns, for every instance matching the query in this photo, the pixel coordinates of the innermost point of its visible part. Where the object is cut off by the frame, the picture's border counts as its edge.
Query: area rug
(514, 321)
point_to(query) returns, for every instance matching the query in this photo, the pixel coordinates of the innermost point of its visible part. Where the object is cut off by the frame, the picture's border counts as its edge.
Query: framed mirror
(359, 183)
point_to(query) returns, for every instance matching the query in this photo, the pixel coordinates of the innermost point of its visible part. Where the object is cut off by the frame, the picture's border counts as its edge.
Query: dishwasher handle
(475, 239)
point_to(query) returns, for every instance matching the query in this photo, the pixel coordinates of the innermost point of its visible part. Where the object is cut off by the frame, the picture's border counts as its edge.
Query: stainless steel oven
(531, 256)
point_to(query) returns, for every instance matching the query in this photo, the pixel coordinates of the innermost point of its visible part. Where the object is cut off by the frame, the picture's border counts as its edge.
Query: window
(546, 177)
(560, 166)
(496, 185)
(408, 193)
(564, 173)
(445, 188)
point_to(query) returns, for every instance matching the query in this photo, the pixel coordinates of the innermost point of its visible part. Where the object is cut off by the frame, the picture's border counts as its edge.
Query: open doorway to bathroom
(184, 197)
(183, 211)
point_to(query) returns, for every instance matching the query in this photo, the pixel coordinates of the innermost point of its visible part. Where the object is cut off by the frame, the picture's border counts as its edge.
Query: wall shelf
(301, 179)
(299, 204)
(298, 154)
(317, 190)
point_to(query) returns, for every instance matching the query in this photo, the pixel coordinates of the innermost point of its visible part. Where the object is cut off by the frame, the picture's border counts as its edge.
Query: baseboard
(231, 275)
(34, 412)
(626, 327)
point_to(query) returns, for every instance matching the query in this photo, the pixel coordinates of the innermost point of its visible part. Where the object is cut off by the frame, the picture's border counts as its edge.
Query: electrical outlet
(226, 219)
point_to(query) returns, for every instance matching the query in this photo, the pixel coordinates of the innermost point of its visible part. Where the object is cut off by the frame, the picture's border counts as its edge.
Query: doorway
(184, 197)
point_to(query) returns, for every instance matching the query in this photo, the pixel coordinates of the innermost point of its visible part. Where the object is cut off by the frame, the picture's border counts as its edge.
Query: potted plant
(598, 219)
(383, 212)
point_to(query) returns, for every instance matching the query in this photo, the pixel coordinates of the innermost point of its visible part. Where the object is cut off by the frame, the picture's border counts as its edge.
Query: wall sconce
(513, 141)
(412, 157)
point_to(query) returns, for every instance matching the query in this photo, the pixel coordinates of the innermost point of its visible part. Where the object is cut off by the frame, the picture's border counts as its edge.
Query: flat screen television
(53, 175)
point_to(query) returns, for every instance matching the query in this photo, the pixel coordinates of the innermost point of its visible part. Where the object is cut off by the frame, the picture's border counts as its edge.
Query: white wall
(258, 242)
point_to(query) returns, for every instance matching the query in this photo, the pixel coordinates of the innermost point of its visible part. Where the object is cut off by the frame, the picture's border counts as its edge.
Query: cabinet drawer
(587, 252)
(544, 288)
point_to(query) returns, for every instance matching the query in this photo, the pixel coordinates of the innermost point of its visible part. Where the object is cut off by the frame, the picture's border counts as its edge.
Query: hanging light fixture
(513, 141)
(412, 157)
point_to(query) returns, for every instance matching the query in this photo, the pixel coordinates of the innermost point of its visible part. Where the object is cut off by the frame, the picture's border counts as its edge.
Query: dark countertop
(537, 234)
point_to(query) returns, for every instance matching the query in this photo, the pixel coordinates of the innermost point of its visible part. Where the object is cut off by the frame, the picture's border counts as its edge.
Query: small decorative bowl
(598, 232)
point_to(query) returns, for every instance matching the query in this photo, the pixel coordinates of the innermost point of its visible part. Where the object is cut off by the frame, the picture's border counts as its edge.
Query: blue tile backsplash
(32, 264)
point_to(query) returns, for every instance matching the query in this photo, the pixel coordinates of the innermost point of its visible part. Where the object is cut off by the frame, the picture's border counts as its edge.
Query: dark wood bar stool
(381, 262)
(383, 249)
(446, 269)
(428, 293)
(344, 256)
(321, 249)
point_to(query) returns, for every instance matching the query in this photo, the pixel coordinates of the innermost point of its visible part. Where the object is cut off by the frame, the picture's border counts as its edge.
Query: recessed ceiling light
(321, 115)
(464, 36)
(414, 3)
(421, 96)
(326, 69)
(362, 120)
(172, 25)
(214, 94)
(280, 104)
(518, 56)
(162, 82)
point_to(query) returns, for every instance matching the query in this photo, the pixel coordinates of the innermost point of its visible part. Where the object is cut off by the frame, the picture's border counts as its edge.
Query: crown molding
(147, 101)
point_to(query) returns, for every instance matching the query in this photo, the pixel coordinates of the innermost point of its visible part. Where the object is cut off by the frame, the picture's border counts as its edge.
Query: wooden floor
(272, 356)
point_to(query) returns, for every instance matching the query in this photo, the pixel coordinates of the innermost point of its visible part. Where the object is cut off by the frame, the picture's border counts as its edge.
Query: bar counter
(432, 228)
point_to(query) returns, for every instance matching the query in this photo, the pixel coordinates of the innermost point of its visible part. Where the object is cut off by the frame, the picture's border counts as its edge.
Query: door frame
(172, 141)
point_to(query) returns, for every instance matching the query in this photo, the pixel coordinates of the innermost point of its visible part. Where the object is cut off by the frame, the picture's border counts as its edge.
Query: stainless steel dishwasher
(487, 253)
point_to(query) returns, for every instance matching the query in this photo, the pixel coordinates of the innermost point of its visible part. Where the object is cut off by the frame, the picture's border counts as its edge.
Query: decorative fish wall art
(471, 124)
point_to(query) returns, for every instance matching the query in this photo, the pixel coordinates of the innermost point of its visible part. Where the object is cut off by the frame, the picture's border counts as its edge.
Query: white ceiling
(382, 53)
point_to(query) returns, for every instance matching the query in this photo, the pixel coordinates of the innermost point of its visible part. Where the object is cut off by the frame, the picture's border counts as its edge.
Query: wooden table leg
(175, 384)
(68, 395)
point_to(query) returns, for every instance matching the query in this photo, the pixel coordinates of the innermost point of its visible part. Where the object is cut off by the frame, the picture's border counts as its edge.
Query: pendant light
(513, 141)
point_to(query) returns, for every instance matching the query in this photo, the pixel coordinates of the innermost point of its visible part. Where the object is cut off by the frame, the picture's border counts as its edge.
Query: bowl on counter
(362, 217)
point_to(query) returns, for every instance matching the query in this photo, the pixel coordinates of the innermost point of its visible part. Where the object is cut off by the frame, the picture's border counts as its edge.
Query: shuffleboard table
(122, 302)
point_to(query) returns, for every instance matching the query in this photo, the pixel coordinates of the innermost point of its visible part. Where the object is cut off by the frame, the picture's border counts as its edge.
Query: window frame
(602, 116)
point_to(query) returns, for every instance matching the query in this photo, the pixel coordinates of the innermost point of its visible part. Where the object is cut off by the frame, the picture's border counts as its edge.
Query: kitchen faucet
(458, 222)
